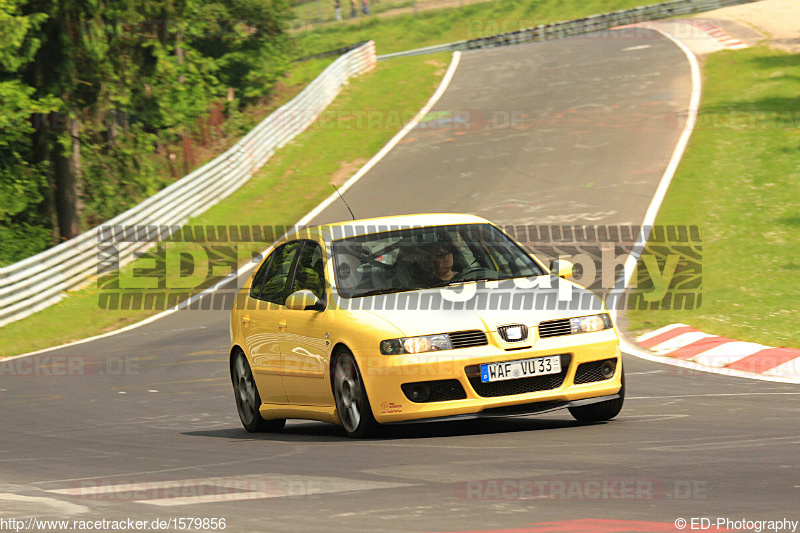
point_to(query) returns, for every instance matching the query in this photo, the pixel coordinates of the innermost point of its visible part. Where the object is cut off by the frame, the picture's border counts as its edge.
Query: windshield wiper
(375, 292)
(457, 282)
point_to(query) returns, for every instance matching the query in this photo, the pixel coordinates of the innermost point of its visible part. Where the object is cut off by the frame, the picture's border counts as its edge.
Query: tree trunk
(68, 184)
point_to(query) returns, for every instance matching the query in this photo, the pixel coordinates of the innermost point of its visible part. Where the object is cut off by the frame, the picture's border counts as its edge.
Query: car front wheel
(247, 398)
(602, 411)
(352, 403)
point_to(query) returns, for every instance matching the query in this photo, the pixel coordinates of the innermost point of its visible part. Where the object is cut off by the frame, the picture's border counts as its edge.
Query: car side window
(278, 273)
(310, 273)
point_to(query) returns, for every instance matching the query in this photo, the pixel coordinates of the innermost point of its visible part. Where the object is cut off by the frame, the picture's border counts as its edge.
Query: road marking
(217, 360)
(632, 48)
(650, 418)
(202, 466)
(713, 395)
(38, 502)
(454, 472)
(741, 443)
(220, 489)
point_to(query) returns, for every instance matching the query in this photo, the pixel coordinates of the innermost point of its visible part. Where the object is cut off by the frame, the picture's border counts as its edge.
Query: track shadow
(303, 431)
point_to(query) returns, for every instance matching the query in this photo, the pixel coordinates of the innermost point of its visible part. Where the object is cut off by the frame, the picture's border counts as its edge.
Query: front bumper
(535, 408)
(384, 377)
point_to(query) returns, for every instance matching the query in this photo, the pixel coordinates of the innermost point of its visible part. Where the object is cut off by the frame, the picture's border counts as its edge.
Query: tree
(23, 186)
(90, 88)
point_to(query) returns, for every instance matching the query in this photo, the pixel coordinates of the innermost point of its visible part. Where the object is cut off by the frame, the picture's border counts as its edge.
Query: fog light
(608, 369)
(420, 392)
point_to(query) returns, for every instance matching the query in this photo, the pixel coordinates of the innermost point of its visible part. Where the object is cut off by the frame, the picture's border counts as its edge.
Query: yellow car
(416, 317)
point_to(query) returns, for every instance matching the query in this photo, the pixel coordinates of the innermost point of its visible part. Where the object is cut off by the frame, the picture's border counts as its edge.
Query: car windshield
(418, 258)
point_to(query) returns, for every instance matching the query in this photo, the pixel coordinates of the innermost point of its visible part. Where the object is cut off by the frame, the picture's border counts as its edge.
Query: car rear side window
(277, 273)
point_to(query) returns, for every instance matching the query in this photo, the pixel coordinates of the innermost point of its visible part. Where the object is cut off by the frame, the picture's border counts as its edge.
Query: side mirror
(562, 268)
(303, 300)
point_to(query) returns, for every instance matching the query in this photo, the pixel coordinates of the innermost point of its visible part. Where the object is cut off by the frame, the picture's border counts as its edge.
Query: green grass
(310, 13)
(295, 180)
(740, 182)
(405, 32)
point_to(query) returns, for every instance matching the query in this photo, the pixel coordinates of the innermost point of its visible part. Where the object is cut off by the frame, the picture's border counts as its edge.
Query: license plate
(524, 368)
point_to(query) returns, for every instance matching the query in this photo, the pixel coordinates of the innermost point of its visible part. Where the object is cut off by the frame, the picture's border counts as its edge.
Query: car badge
(513, 332)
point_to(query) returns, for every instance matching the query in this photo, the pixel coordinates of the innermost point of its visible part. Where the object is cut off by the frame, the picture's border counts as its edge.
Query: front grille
(468, 339)
(591, 372)
(439, 391)
(503, 331)
(555, 328)
(518, 386)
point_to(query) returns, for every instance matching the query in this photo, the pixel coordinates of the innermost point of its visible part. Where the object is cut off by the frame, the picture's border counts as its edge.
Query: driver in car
(442, 262)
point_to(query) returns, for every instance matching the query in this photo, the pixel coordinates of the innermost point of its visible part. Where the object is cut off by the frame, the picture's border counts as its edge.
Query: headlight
(588, 324)
(425, 343)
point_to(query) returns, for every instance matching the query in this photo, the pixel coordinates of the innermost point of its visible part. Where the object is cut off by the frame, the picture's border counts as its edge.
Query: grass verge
(405, 32)
(738, 181)
(295, 180)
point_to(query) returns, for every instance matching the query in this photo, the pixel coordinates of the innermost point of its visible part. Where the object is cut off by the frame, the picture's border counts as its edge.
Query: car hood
(483, 306)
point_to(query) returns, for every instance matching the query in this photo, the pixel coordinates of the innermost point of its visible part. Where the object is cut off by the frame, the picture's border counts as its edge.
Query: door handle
(246, 320)
(282, 324)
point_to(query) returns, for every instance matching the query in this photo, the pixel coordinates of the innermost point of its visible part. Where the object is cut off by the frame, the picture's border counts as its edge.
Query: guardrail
(571, 28)
(40, 281)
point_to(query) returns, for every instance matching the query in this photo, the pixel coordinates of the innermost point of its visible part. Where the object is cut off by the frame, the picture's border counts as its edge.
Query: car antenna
(345, 203)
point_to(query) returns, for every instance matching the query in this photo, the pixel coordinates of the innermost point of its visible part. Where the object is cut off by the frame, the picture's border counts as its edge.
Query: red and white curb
(683, 342)
(702, 36)
(731, 43)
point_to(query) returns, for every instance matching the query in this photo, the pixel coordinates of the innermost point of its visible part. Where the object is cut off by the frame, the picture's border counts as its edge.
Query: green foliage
(23, 184)
(129, 76)
(117, 177)
(247, 41)
(19, 239)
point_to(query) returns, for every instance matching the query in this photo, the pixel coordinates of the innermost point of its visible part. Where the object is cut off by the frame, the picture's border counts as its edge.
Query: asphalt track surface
(576, 131)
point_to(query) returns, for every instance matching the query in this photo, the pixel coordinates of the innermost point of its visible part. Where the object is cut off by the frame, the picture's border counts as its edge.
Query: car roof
(365, 226)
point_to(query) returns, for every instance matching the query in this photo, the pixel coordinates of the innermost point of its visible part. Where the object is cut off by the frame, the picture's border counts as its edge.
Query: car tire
(352, 404)
(247, 398)
(601, 411)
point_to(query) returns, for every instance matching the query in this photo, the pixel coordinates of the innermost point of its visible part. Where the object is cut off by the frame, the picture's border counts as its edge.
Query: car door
(304, 348)
(261, 321)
